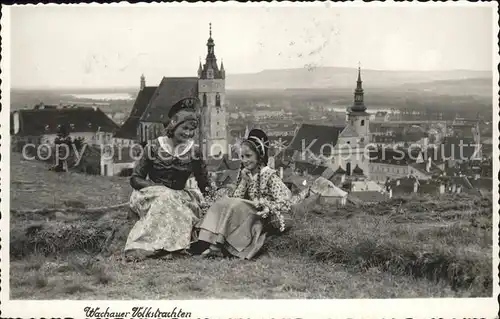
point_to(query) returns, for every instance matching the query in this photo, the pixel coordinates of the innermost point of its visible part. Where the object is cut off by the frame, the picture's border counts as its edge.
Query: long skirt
(233, 223)
(166, 219)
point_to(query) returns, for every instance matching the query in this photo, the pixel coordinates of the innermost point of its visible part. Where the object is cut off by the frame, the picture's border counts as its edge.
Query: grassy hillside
(32, 186)
(406, 247)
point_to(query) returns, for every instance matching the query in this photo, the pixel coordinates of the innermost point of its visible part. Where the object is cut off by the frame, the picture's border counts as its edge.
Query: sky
(109, 46)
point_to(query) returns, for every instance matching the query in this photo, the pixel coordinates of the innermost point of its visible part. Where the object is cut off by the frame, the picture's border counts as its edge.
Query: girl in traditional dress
(167, 210)
(260, 204)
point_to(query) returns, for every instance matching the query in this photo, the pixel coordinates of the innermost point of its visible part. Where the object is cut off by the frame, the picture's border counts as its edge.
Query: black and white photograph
(250, 152)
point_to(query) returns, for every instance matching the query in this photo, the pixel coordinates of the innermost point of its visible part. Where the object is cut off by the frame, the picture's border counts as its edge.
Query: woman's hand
(139, 183)
(204, 205)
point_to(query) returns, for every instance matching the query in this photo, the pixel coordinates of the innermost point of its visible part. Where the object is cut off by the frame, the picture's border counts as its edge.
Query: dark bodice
(171, 171)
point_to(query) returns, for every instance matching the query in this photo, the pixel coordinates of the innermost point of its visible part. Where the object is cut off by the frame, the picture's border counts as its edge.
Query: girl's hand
(245, 174)
(264, 212)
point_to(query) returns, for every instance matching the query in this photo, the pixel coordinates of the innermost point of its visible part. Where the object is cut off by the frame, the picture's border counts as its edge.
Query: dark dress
(167, 210)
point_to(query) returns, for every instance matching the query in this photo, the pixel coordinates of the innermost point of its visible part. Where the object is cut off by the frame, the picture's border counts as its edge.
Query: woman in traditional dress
(260, 204)
(167, 210)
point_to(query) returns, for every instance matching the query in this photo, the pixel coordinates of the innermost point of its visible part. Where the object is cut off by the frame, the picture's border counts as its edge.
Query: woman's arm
(201, 174)
(141, 170)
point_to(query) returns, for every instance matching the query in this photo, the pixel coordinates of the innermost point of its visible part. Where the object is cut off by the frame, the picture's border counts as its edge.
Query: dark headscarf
(184, 110)
(259, 142)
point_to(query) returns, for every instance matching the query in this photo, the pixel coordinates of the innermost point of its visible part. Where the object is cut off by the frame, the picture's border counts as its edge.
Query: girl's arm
(278, 207)
(301, 196)
(280, 194)
(141, 170)
(241, 185)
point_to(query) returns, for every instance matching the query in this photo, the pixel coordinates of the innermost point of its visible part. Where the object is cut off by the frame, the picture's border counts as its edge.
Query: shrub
(126, 172)
(74, 204)
(57, 238)
(40, 280)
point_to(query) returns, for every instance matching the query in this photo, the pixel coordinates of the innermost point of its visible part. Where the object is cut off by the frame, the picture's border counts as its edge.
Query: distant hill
(338, 77)
(470, 87)
(331, 84)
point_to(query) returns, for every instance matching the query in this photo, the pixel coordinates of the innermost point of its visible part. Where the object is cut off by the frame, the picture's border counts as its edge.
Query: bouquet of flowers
(214, 194)
(265, 211)
(262, 208)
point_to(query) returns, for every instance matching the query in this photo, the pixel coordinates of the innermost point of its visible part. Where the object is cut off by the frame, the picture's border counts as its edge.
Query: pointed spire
(143, 82)
(210, 42)
(200, 68)
(210, 68)
(359, 103)
(359, 72)
(222, 71)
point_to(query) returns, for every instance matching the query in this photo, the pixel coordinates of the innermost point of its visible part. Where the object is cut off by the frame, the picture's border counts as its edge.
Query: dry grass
(60, 237)
(33, 186)
(406, 247)
(270, 277)
(455, 251)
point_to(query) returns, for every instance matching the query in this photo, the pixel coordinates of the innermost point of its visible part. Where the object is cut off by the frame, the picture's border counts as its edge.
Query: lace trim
(165, 145)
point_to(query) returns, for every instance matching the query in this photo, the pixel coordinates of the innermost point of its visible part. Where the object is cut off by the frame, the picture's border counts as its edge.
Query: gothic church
(151, 106)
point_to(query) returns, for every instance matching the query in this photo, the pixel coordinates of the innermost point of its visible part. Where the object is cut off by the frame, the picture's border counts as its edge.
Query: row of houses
(359, 189)
(409, 174)
(41, 125)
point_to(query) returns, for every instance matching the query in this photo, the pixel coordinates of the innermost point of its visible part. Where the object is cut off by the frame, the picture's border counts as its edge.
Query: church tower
(358, 118)
(143, 82)
(212, 94)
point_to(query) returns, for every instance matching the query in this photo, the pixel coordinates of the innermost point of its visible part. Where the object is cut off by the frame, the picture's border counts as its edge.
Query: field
(404, 248)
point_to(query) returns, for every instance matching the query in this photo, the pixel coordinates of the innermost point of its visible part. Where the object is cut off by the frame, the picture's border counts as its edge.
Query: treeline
(21, 99)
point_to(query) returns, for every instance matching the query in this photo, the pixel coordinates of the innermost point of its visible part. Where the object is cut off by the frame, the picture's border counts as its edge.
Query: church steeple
(358, 118)
(210, 70)
(210, 42)
(212, 92)
(359, 102)
(143, 82)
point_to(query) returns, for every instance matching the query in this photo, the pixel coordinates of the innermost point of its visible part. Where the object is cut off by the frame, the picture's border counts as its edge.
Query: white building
(115, 160)
(341, 145)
